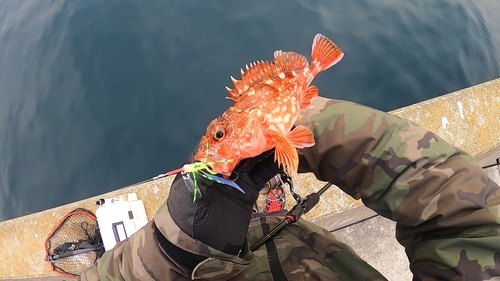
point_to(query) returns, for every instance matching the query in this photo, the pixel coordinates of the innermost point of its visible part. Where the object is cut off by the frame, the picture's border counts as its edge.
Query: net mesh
(77, 230)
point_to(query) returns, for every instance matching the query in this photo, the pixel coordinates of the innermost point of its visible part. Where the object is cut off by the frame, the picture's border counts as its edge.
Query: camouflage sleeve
(136, 258)
(445, 206)
(140, 257)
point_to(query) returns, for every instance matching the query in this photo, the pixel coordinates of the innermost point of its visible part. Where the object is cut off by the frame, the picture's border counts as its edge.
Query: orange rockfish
(266, 103)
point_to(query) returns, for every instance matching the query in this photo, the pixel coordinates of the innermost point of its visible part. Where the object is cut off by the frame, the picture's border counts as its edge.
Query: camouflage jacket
(445, 206)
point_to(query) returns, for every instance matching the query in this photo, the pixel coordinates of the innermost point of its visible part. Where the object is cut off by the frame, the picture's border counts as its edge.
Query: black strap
(185, 260)
(272, 254)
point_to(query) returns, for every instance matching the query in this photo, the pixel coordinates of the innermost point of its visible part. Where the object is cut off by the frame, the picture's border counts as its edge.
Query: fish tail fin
(324, 54)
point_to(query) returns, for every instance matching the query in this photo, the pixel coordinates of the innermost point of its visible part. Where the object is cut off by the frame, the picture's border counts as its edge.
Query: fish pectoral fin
(285, 154)
(311, 93)
(301, 137)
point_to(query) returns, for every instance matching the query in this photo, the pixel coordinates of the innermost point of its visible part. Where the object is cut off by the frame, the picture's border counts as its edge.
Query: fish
(267, 101)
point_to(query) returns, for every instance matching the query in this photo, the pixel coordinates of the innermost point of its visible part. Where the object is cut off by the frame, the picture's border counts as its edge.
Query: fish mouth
(220, 164)
(217, 163)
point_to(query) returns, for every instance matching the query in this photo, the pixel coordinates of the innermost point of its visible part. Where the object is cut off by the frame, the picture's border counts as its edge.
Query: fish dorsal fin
(257, 73)
(263, 71)
(290, 61)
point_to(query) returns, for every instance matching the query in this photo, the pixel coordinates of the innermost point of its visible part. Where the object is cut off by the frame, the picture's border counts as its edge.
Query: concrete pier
(468, 119)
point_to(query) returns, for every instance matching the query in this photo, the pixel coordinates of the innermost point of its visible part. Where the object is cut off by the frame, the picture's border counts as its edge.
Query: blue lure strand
(222, 180)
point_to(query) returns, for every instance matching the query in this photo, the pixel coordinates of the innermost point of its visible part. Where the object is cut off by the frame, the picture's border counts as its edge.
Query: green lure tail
(203, 169)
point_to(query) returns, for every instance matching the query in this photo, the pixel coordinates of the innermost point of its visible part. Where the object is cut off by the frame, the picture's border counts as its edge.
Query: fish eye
(219, 134)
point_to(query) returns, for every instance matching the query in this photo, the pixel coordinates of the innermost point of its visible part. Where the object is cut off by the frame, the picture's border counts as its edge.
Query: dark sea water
(97, 95)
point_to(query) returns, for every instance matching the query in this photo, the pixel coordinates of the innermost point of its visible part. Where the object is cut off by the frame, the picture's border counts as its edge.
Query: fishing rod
(302, 207)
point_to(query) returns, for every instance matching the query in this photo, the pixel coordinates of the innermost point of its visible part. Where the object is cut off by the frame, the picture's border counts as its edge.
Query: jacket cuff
(184, 260)
(192, 256)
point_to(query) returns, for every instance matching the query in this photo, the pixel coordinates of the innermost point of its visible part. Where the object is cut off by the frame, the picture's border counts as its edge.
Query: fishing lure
(203, 169)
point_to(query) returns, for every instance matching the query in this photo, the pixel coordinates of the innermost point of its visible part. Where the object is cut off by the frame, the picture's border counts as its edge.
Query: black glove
(220, 217)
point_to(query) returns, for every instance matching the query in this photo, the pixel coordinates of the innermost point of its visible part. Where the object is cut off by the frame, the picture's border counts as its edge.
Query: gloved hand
(221, 216)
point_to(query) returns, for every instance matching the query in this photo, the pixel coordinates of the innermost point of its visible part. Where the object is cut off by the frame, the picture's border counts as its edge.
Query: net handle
(47, 255)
